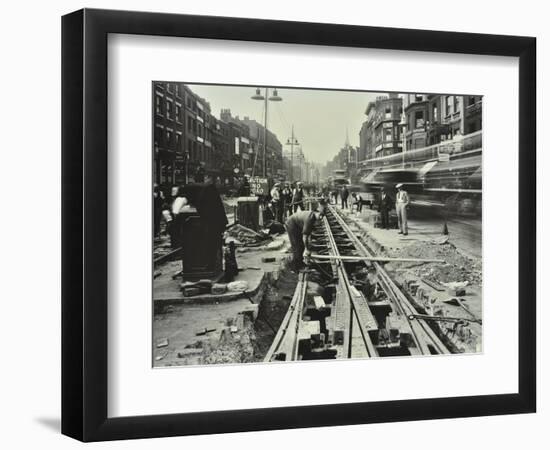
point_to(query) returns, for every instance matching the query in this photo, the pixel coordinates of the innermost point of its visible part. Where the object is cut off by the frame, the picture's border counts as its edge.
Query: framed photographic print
(274, 224)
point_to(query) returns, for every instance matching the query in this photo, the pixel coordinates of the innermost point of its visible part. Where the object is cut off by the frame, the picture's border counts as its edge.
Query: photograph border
(84, 224)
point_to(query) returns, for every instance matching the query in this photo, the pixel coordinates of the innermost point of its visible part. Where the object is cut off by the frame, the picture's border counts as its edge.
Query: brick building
(254, 140)
(187, 135)
(380, 134)
(433, 118)
(184, 129)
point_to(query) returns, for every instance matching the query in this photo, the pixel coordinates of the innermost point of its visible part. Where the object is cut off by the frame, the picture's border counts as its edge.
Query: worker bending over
(299, 227)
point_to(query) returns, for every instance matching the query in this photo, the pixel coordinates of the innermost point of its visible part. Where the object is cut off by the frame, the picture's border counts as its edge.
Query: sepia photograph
(301, 224)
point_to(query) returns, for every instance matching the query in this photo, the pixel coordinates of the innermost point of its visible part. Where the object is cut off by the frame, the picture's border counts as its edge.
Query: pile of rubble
(236, 343)
(456, 268)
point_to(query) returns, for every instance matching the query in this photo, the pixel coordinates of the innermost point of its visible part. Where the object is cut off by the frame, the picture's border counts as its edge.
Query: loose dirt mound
(456, 267)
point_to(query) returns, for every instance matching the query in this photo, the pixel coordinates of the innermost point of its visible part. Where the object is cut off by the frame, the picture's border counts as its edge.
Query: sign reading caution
(258, 186)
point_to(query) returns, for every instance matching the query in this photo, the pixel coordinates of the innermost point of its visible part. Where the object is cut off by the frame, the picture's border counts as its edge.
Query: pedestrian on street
(357, 201)
(286, 196)
(344, 196)
(200, 173)
(158, 201)
(298, 197)
(179, 206)
(402, 201)
(276, 202)
(385, 205)
(299, 227)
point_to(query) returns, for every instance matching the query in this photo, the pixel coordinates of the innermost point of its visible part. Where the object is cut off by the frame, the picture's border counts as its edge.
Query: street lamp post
(274, 98)
(403, 125)
(292, 141)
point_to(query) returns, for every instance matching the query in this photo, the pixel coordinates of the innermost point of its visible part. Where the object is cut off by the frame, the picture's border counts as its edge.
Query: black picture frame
(84, 224)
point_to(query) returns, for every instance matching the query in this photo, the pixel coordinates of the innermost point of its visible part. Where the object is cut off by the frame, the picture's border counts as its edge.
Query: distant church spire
(347, 137)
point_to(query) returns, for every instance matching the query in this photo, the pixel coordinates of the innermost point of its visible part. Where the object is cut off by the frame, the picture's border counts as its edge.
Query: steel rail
(357, 303)
(418, 326)
(286, 339)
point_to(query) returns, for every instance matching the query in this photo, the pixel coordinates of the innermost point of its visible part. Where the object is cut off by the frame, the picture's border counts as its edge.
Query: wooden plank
(433, 285)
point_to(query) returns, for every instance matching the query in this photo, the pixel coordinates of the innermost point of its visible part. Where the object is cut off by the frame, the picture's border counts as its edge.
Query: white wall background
(30, 232)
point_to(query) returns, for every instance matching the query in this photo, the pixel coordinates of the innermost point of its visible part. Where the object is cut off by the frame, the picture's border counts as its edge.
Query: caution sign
(258, 186)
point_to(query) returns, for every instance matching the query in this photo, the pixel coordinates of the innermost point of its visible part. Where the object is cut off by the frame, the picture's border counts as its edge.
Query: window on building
(169, 110)
(388, 134)
(387, 113)
(434, 113)
(418, 98)
(177, 89)
(448, 105)
(456, 103)
(158, 135)
(169, 87)
(189, 123)
(158, 105)
(471, 100)
(168, 137)
(178, 113)
(178, 141)
(418, 119)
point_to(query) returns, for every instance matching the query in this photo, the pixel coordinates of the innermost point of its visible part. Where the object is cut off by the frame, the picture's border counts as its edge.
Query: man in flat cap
(401, 203)
(299, 227)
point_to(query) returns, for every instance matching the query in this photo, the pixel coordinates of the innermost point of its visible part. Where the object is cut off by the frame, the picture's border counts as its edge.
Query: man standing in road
(344, 196)
(299, 227)
(276, 202)
(298, 197)
(401, 203)
(286, 197)
(385, 205)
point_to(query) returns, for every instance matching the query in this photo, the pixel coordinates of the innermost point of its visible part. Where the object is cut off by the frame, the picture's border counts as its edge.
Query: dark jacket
(386, 203)
(345, 194)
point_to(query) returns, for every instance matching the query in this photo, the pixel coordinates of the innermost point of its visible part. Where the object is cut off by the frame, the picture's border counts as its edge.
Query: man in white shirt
(276, 202)
(401, 203)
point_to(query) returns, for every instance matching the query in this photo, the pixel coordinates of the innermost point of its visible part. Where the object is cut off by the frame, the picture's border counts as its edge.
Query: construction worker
(298, 197)
(401, 203)
(299, 227)
(277, 202)
(286, 196)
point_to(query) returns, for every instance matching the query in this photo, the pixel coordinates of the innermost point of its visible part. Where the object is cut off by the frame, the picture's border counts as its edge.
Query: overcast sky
(320, 117)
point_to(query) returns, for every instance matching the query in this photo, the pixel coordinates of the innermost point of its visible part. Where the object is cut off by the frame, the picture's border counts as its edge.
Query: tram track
(360, 312)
